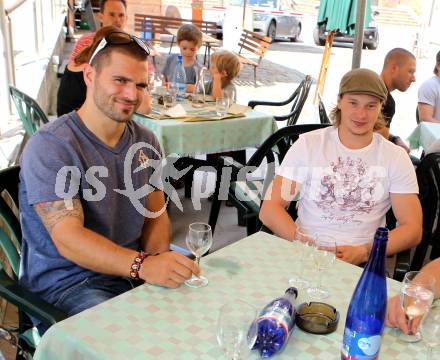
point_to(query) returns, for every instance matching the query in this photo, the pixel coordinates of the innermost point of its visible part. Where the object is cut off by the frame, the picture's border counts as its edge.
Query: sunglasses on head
(119, 38)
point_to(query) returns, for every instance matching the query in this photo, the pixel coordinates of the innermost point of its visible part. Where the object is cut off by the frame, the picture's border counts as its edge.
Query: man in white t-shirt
(348, 177)
(429, 96)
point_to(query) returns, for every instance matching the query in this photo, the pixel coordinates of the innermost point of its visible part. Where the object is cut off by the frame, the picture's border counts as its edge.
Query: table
(427, 136)
(208, 40)
(150, 322)
(206, 137)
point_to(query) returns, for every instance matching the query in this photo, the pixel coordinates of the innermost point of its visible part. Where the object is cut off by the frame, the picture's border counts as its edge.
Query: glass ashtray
(317, 318)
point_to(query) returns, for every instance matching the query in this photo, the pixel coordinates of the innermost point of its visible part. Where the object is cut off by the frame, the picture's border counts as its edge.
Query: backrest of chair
(428, 178)
(31, 114)
(10, 231)
(156, 25)
(323, 117)
(254, 43)
(299, 101)
(281, 139)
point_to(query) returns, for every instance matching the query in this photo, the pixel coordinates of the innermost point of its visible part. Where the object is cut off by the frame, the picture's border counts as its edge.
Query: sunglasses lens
(119, 38)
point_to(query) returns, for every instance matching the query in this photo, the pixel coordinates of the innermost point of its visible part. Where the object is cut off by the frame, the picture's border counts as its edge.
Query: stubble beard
(109, 110)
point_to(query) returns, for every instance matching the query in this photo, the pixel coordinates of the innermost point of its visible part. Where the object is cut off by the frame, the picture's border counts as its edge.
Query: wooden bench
(255, 44)
(151, 27)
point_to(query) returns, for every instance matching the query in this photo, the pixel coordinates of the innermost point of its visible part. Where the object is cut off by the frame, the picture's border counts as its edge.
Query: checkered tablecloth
(150, 322)
(207, 137)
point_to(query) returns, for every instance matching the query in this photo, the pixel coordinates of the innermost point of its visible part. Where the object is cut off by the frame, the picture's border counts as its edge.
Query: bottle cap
(317, 318)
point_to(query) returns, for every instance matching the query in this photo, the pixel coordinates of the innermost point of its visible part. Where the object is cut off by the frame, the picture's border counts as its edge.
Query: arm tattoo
(51, 213)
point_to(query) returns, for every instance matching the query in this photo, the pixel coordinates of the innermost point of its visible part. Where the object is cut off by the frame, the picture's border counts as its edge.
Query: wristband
(136, 265)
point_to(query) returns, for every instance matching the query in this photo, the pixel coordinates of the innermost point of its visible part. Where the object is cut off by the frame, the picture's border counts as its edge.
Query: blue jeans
(90, 292)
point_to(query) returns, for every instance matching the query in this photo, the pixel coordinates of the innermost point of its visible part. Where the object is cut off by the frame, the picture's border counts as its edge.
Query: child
(189, 40)
(225, 66)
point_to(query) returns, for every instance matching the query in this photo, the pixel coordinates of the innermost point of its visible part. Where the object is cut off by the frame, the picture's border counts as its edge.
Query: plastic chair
(246, 195)
(10, 290)
(323, 117)
(31, 114)
(428, 177)
(298, 98)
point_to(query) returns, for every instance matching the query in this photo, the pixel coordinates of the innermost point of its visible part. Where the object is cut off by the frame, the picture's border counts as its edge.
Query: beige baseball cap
(363, 81)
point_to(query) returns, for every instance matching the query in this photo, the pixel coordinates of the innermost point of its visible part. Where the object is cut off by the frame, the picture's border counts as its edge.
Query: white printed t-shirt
(345, 193)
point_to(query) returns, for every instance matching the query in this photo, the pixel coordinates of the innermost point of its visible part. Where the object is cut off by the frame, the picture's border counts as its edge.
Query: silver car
(274, 18)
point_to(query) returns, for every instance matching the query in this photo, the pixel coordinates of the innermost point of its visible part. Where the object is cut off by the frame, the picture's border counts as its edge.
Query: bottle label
(360, 346)
(281, 316)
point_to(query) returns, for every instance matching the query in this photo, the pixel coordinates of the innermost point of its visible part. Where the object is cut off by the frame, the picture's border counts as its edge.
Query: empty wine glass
(198, 241)
(324, 255)
(302, 243)
(430, 330)
(237, 329)
(416, 296)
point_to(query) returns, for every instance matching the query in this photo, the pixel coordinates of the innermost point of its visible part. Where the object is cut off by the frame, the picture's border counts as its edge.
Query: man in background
(429, 96)
(111, 13)
(398, 72)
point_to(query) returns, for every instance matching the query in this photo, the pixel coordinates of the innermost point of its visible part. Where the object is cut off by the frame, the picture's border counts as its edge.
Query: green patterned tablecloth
(205, 137)
(150, 322)
(427, 136)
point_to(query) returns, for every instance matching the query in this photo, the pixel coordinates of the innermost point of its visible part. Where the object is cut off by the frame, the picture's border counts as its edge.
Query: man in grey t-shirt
(89, 231)
(429, 96)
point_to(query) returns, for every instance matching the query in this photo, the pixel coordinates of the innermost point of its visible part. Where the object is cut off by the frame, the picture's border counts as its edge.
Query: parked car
(371, 35)
(273, 18)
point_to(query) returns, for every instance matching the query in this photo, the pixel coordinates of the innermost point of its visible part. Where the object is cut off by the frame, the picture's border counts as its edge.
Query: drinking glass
(323, 255)
(302, 243)
(221, 106)
(416, 296)
(198, 241)
(237, 329)
(169, 99)
(430, 330)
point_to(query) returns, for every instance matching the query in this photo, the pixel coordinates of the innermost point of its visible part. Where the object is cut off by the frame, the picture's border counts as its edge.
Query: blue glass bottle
(275, 322)
(179, 80)
(366, 313)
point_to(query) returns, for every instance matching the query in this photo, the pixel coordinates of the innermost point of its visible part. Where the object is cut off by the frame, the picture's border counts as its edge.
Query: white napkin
(236, 109)
(177, 111)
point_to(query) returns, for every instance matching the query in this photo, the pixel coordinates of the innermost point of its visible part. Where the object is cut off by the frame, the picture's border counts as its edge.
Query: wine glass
(198, 241)
(302, 242)
(323, 255)
(416, 296)
(430, 329)
(237, 329)
(222, 106)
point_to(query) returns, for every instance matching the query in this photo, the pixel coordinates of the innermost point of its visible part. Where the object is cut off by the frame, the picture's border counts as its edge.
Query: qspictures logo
(329, 187)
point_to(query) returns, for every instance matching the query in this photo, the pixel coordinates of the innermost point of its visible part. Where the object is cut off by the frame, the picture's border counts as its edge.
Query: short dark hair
(102, 4)
(398, 56)
(437, 62)
(103, 57)
(189, 32)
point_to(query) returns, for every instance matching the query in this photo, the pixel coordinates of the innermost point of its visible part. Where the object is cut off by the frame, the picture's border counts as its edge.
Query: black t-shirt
(388, 110)
(71, 93)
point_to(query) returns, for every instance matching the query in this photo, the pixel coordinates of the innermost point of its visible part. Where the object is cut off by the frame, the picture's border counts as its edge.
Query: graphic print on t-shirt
(348, 189)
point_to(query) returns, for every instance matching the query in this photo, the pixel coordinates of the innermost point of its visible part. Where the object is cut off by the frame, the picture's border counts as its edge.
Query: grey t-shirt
(429, 93)
(100, 173)
(229, 91)
(190, 71)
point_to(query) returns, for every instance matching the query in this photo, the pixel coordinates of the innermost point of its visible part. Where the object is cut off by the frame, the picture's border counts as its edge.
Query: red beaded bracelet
(136, 266)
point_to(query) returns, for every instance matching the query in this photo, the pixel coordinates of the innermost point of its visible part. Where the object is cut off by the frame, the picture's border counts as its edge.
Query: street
(286, 63)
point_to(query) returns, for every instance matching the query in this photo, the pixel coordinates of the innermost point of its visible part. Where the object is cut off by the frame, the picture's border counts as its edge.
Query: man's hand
(396, 316)
(353, 254)
(401, 143)
(169, 269)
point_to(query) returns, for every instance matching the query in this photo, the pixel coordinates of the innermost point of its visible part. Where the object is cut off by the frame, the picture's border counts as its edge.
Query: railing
(27, 30)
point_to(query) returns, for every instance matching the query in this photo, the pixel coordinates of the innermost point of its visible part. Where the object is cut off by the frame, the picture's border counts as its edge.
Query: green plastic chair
(31, 114)
(10, 290)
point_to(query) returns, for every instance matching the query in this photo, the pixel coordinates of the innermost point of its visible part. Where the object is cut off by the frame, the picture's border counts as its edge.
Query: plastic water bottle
(179, 80)
(275, 322)
(366, 313)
